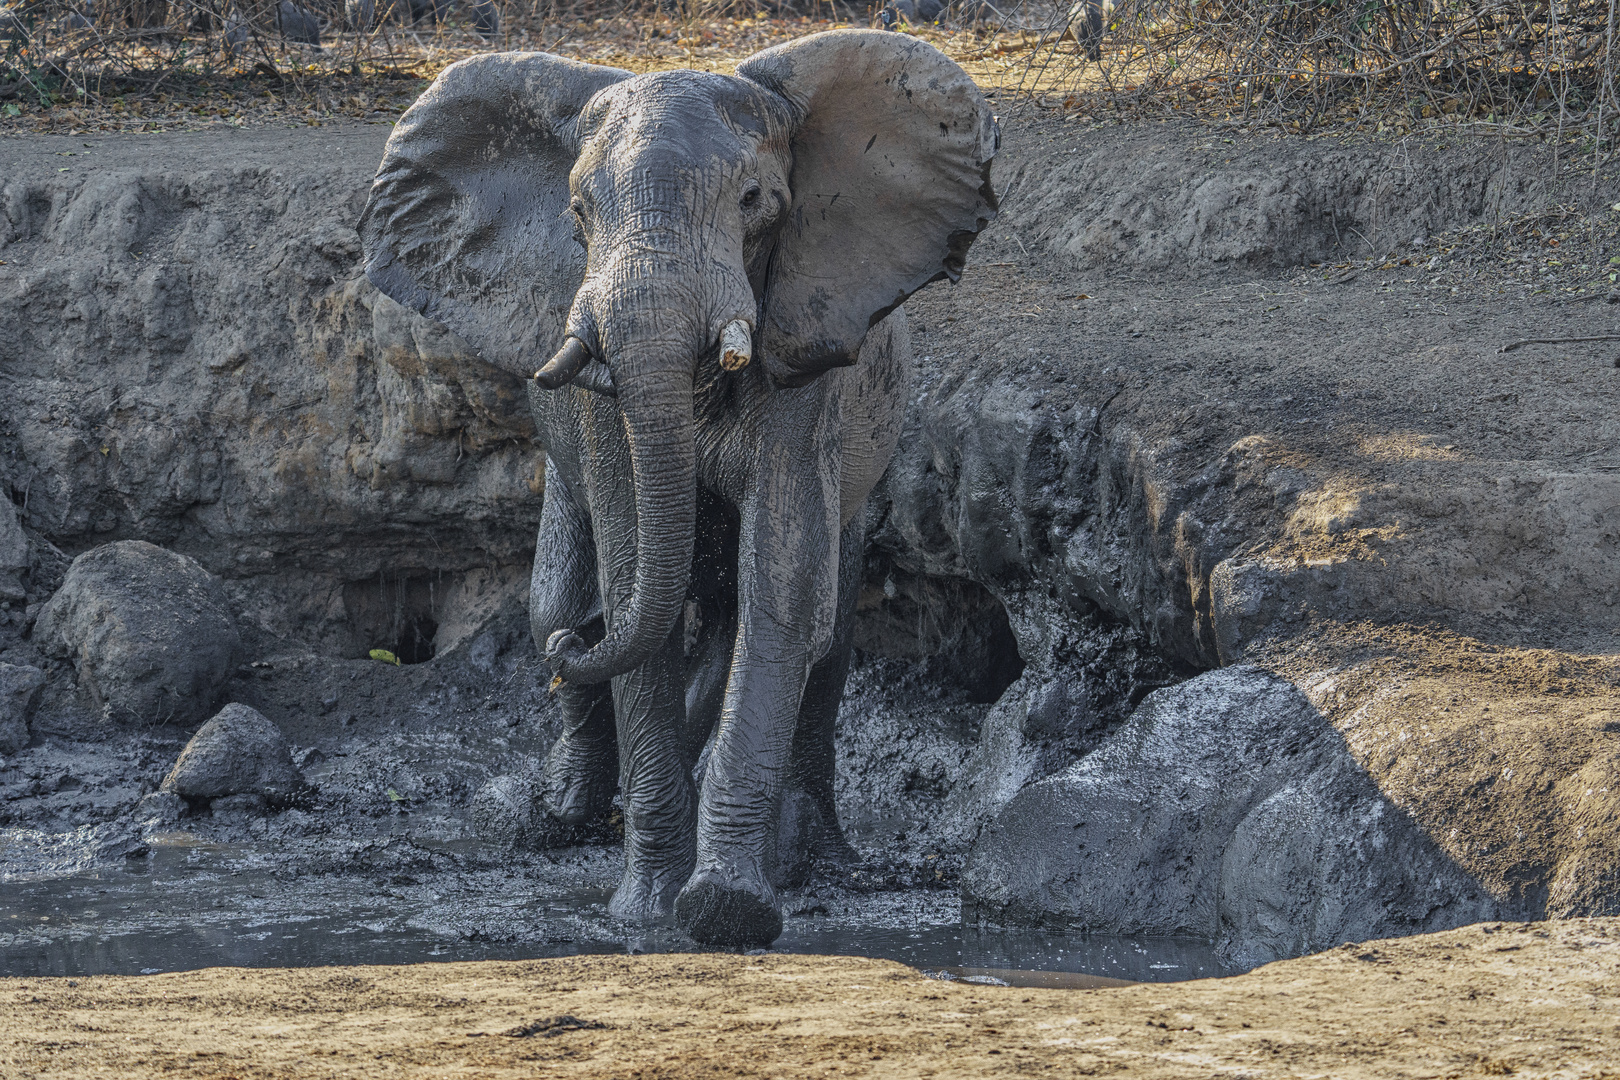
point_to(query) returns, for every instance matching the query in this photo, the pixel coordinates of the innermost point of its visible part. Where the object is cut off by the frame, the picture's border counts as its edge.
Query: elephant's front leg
(655, 781)
(786, 591)
(656, 784)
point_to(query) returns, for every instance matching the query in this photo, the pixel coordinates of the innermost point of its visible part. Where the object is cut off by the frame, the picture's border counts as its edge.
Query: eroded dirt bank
(1527, 1000)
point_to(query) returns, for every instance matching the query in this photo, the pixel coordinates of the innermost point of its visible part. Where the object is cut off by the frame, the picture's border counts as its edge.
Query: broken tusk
(556, 684)
(560, 369)
(736, 345)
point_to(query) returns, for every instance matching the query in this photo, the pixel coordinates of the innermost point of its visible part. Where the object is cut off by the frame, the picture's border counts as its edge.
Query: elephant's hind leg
(582, 770)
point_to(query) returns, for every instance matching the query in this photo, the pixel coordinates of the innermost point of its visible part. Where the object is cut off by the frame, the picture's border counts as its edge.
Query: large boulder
(1228, 808)
(148, 630)
(19, 688)
(238, 752)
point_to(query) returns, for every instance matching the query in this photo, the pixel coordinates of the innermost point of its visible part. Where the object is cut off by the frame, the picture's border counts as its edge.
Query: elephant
(366, 15)
(1088, 19)
(715, 266)
(296, 24)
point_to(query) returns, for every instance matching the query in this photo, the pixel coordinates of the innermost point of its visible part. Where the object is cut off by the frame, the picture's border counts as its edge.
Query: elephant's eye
(750, 198)
(577, 208)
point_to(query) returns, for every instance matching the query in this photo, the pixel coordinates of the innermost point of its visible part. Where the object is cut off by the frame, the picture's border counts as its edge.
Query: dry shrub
(1520, 66)
(62, 52)
(1506, 66)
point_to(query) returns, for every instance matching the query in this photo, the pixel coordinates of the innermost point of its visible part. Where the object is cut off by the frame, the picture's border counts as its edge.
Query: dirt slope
(1526, 1000)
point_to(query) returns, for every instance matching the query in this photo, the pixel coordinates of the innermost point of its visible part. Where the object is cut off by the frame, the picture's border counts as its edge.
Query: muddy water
(193, 905)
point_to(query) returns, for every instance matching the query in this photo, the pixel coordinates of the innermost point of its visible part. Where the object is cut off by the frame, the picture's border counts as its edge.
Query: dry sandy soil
(1536, 999)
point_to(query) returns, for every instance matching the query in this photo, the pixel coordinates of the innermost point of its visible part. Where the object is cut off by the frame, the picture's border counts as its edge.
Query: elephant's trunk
(657, 412)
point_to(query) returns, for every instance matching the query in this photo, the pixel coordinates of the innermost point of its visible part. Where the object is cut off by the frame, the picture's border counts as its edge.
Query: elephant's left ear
(891, 183)
(468, 220)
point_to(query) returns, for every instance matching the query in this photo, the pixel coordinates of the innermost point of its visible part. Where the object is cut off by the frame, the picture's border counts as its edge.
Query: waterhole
(195, 906)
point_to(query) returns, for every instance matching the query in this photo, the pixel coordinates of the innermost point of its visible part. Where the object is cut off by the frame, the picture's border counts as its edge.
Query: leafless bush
(57, 51)
(1509, 66)
(1521, 66)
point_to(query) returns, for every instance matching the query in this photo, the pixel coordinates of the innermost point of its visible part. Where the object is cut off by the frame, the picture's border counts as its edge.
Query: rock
(118, 840)
(505, 811)
(19, 689)
(509, 812)
(13, 553)
(148, 630)
(238, 752)
(1227, 808)
(239, 806)
(159, 808)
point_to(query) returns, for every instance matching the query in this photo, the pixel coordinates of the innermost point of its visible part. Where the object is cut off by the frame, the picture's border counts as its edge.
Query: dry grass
(54, 78)
(1500, 67)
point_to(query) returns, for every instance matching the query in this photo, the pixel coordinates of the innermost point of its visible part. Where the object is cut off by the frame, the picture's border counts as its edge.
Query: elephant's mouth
(574, 365)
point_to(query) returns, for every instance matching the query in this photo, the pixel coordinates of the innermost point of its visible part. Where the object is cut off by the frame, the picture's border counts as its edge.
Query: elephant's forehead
(694, 108)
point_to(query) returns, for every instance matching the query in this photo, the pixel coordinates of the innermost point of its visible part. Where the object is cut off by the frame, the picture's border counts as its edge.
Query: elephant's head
(645, 232)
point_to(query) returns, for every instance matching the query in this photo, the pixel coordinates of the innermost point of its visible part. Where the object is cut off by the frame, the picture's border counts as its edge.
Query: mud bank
(1527, 1000)
(1158, 479)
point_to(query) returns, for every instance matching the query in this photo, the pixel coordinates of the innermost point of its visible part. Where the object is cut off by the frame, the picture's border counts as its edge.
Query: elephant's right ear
(468, 220)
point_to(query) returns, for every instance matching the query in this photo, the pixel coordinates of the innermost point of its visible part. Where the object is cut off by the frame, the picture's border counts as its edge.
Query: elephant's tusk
(736, 345)
(561, 369)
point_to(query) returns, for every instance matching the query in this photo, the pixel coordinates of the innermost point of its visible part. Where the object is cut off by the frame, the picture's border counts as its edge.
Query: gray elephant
(715, 267)
(366, 15)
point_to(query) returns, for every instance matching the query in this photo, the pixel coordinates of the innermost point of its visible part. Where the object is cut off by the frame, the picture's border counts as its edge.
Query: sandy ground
(1531, 1000)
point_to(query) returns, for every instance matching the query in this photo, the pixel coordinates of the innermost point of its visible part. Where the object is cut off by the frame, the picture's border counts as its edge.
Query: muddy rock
(19, 689)
(1227, 808)
(237, 753)
(247, 805)
(148, 631)
(1166, 197)
(506, 811)
(13, 553)
(158, 809)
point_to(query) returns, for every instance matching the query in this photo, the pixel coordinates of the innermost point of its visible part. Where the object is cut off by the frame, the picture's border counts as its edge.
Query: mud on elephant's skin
(715, 265)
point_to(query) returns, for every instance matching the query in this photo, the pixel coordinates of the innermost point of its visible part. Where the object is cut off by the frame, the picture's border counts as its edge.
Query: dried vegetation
(1501, 67)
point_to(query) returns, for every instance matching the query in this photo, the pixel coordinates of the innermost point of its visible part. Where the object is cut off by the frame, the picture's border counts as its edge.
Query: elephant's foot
(718, 907)
(579, 779)
(643, 896)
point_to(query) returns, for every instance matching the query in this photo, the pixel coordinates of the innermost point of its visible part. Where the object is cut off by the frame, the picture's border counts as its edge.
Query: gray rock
(1227, 808)
(13, 553)
(148, 631)
(158, 809)
(118, 840)
(239, 806)
(508, 811)
(238, 752)
(19, 689)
